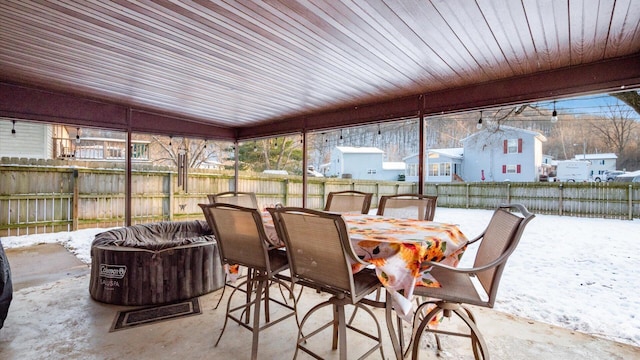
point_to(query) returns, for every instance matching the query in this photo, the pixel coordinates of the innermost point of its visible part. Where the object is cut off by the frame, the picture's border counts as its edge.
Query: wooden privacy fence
(46, 198)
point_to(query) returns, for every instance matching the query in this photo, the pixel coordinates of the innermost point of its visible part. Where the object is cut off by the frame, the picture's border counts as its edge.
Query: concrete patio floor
(53, 317)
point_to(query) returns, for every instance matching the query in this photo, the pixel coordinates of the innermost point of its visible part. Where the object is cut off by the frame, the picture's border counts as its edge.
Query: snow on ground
(577, 273)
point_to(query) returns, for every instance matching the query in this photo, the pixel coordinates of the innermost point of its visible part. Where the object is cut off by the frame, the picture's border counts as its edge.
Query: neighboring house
(392, 170)
(502, 153)
(599, 162)
(362, 163)
(30, 140)
(442, 165)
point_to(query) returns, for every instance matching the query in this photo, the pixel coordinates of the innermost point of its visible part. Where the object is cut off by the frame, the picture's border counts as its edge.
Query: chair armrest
(501, 259)
(477, 238)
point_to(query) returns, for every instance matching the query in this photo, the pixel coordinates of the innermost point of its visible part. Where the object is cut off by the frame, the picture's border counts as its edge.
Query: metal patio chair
(320, 255)
(496, 244)
(414, 206)
(246, 199)
(348, 201)
(240, 234)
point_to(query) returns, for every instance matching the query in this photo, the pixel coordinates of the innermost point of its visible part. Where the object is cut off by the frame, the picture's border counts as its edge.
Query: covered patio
(239, 71)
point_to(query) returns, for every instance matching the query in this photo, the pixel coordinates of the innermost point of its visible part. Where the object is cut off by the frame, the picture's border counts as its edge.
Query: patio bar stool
(320, 255)
(242, 239)
(349, 201)
(476, 286)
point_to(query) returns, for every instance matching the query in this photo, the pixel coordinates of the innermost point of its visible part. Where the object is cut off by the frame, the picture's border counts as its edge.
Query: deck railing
(99, 149)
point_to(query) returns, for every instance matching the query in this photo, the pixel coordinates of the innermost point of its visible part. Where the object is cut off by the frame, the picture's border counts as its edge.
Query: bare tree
(198, 151)
(616, 130)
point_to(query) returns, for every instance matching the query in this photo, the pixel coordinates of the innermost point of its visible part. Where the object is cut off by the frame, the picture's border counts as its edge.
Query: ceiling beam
(29, 103)
(356, 115)
(149, 122)
(605, 76)
(600, 77)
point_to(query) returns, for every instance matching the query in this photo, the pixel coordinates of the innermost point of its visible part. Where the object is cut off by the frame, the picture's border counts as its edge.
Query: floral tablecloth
(397, 247)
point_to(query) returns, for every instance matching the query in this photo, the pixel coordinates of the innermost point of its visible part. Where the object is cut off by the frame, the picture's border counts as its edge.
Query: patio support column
(236, 166)
(304, 168)
(127, 167)
(421, 154)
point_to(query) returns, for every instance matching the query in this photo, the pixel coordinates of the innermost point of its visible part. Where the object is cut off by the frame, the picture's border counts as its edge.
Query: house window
(513, 146)
(371, 171)
(445, 169)
(433, 169)
(511, 169)
(412, 169)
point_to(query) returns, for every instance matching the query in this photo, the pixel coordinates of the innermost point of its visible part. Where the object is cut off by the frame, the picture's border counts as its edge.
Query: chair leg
(480, 350)
(339, 329)
(256, 319)
(224, 287)
(478, 344)
(342, 331)
(414, 344)
(227, 316)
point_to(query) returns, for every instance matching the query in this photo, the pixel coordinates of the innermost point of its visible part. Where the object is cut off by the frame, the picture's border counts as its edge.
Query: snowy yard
(577, 273)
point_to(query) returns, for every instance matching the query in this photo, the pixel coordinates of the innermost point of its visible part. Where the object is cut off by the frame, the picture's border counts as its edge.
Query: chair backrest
(348, 201)
(245, 199)
(499, 240)
(412, 206)
(318, 247)
(240, 234)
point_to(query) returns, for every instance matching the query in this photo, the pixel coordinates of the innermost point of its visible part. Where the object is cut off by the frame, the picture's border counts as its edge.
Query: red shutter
(519, 146)
(518, 168)
(505, 147)
(504, 169)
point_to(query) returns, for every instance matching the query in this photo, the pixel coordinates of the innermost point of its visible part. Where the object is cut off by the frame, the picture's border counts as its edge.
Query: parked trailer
(573, 171)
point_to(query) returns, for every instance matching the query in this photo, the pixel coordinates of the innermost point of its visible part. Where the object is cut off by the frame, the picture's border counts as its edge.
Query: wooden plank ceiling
(262, 67)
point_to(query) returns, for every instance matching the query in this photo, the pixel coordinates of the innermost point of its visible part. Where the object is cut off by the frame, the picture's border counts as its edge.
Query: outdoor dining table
(397, 247)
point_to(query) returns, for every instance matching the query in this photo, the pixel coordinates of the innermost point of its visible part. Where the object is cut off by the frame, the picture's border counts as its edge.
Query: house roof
(454, 153)
(506, 130)
(249, 69)
(393, 165)
(596, 156)
(359, 150)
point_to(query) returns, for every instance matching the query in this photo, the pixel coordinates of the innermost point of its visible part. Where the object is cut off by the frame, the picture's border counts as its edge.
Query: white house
(442, 165)
(500, 153)
(26, 140)
(599, 162)
(362, 163)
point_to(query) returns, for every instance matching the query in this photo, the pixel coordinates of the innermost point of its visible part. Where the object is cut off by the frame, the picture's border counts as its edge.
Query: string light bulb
(479, 126)
(13, 129)
(554, 114)
(77, 135)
